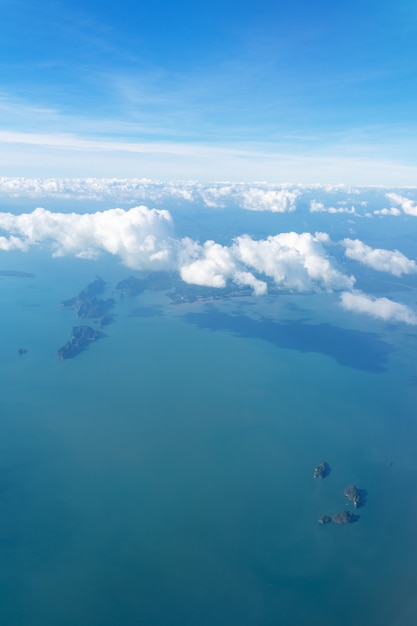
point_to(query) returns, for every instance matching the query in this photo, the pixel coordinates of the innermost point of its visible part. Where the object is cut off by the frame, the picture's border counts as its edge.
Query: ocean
(164, 476)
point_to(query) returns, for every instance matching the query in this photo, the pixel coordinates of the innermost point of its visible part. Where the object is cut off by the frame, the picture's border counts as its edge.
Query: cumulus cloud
(408, 206)
(144, 238)
(140, 236)
(269, 200)
(392, 211)
(12, 243)
(391, 261)
(295, 262)
(381, 308)
(214, 267)
(318, 207)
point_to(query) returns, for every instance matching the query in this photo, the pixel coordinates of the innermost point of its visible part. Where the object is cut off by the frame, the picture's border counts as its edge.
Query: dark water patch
(351, 348)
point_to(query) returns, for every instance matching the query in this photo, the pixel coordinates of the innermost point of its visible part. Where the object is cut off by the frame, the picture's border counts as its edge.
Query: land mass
(86, 304)
(344, 517)
(81, 337)
(355, 495)
(322, 470)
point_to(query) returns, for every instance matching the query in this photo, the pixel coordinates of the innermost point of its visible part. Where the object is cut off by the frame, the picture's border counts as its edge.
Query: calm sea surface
(164, 476)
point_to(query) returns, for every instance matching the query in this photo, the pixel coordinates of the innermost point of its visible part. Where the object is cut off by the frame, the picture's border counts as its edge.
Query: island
(131, 286)
(86, 304)
(354, 495)
(322, 470)
(81, 337)
(344, 517)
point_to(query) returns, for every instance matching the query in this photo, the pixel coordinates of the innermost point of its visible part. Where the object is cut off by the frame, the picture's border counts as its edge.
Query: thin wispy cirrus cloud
(62, 154)
(89, 90)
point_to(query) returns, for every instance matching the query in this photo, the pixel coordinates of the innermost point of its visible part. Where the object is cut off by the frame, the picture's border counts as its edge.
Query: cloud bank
(391, 261)
(145, 239)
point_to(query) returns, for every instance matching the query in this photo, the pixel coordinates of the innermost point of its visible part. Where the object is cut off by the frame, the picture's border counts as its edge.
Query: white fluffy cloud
(408, 206)
(213, 265)
(318, 207)
(294, 261)
(381, 308)
(12, 243)
(140, 236)
(391, 261)
(144, 238)
(392, 211)
(269, 200)
(213, 268)
(297, 262)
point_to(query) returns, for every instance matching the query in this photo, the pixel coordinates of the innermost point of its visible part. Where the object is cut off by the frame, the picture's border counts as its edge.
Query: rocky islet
(355, 496)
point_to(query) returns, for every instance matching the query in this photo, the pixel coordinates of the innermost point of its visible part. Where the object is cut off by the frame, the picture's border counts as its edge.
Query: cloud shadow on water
(350, 348)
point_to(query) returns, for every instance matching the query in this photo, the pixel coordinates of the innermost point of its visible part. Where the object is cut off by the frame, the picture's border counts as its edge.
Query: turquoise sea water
(164, 476)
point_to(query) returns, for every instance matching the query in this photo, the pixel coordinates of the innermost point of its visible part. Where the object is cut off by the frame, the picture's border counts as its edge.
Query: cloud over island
(145, 239)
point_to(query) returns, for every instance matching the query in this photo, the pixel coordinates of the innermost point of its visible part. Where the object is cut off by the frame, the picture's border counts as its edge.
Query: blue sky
(301, 91)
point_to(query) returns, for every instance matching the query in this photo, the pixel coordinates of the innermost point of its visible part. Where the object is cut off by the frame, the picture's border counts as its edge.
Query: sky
(269, 90)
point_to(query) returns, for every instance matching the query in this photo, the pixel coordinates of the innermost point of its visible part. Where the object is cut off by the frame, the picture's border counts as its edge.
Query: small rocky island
(86, 304)
(322, 470)
(81, 337)
(344, 517)
(354, 495)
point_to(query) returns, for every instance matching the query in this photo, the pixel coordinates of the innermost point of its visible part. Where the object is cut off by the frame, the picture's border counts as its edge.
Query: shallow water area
(165, 474)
